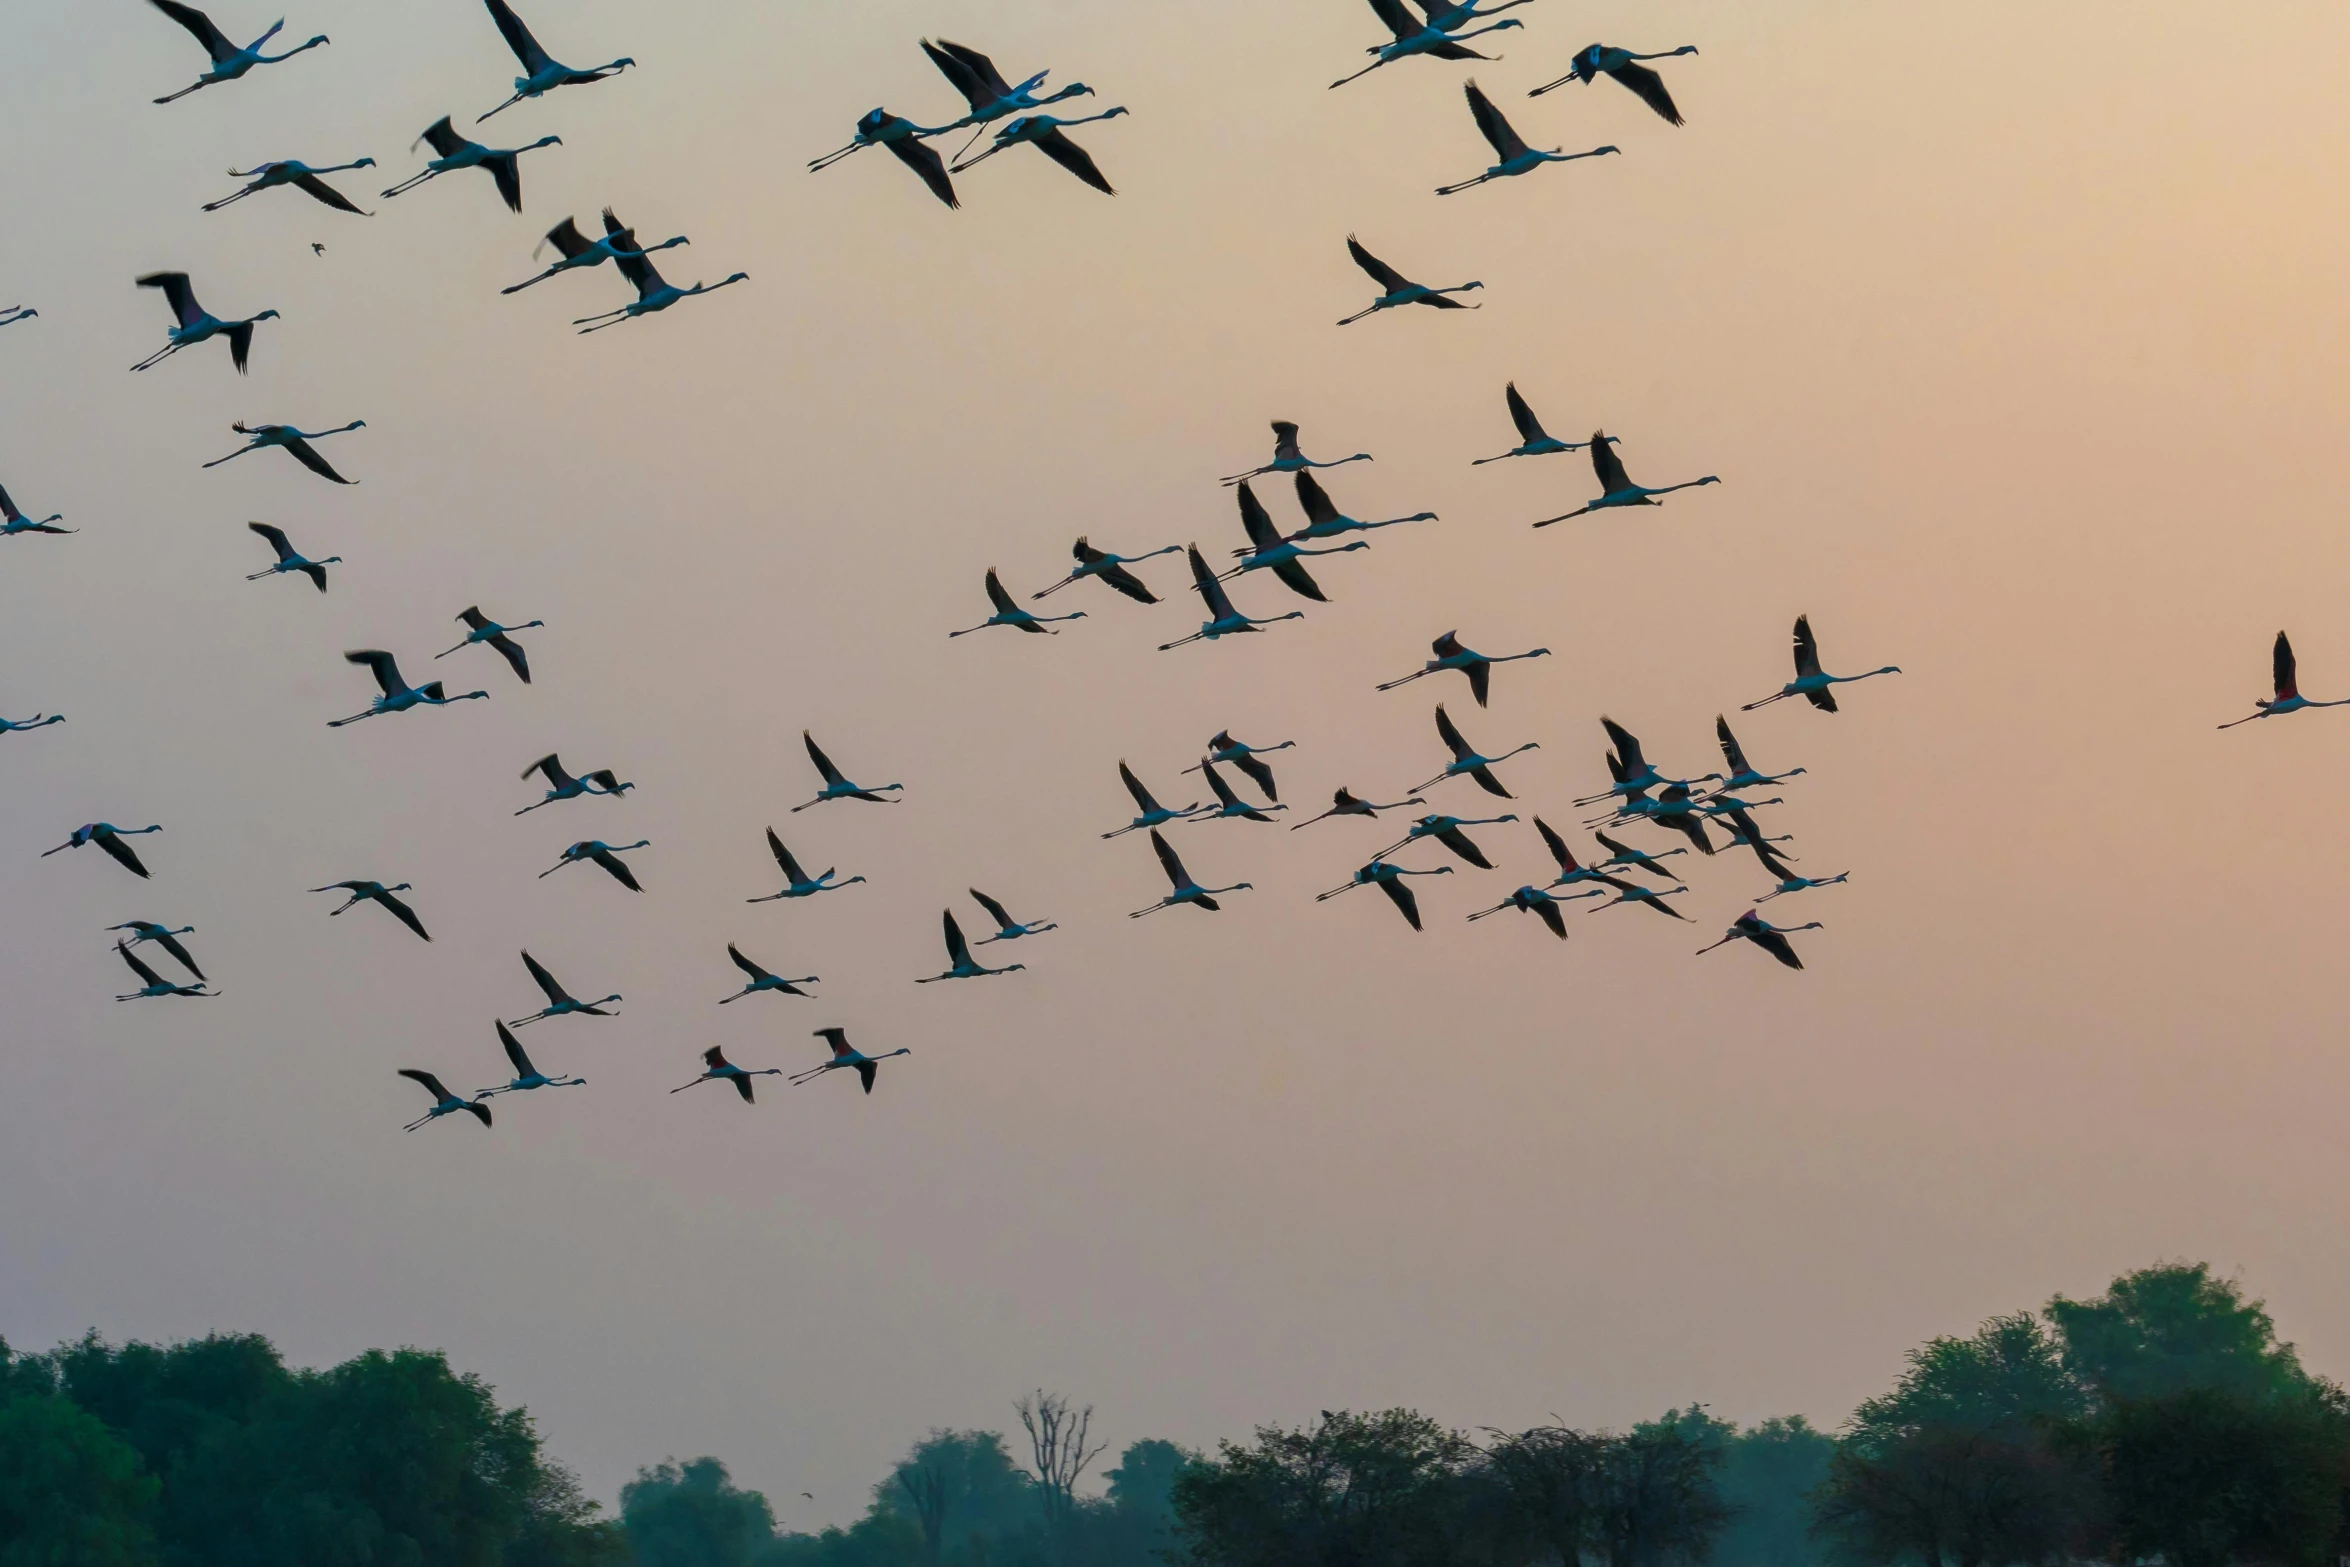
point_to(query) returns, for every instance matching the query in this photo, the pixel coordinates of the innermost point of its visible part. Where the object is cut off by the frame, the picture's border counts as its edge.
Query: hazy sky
(2014, 331)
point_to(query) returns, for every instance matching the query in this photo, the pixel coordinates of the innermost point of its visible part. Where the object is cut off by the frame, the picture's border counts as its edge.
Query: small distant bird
(1224, 620)
(1345, 803)
(560, 1002)
(722, 1070)
(1228, 752)
(880, 128)
(1533, 440)
(1006, 927)
(13, 522)
(605, 854)
(1743, 776)
(163, 936)
(1111, 569)
(1625, 855)
(1389, 879)
(1400, 290)
(196, 324)
(1602, 59)
(1268, 551)
(1009, 613)
(453, 151)
(289, 558)
(562, 786)
(444, 1102)
(12, 314)
(760, 979)
(152, 984)
(960, 963)
(1153, 813)
(1533, 900)
(653, 292)
(2288, 698)
(1751, 926)
(867, 1067)
(300, 175)
(1572, 871)
(983, 87)
(577, 251)
(1447, 831)
(1616, 486)
(541, 74)
(1185, 889)
(480, 628)
(1325, 521)
(1630, 893)
(798, 883)
(259, 437)
(1452, 654)
(1465, 758)
(526, 1076)
(398, 695)
(9, 726)
(377, 893)
(1288, 459)
(1232, 804)
(1414, 36)
(109, 837)
(228, 61)
(1810, 684)
(1516, 157)
(837, 787)
(317, 249)
(1793, 883)
(1043, 132)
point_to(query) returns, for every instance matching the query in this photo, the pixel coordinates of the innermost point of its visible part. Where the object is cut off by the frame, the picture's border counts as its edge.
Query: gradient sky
(2015, 333)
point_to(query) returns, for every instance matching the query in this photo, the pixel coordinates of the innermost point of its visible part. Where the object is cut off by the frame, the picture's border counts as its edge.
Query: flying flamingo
(444, 1102)
(837, 787)
(560, 1002)
(1233, 805)
(1625, 855)
(760, 979)
(1007, 928)
(259, 437)
(1416, 37)
(1743, 776)
(1009, 613)
(300, 175)
(1635, 773)
(1111, 569)
(1345, 803)
(1325, 521)
(9, 726)
(961, 965)
(290, 558)
(1288, 459)
(1400, 290)
(1533, 440)
(1722, 803)
(575, 250)
(1771, 938)
(797, 882)
(880, 128)
(480, 628)
(228, 61)
(1655, 900)
(14, 522)
(2288, 697)
(605, 854)
(1153, 813)
(1810, 684)
(1616, 487)
(1675, 808)
(1533, 900)
(1268, 551)
(1466, 760)
(163, 936)
(1225, 751)
(1043, 132)
(109, 837)
(377, 893)
(1447, 831)
(653, 292)
(1793, 883)
(1185, 889)
(1570, 871)
(1452, 654)
(562, 786)
(152, 984)
(1224, 620)
(1744, 832)
(722, 1070)
(983, 87)
(541, 74)
(454, 152)
(1389, 879)
(843, 1056)
(10, 315)
(1516, 157)
(526, 1076)
(1622, 64)
(398, 695)
(195, 324)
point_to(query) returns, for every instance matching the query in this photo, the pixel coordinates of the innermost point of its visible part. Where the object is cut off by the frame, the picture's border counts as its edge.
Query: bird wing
(1450, 734)
(1460, 843)
(1506, 142)
(1552, 917)
(1285, 441)
(315, 572)
(1399, 21)
(924, 160)
(830, 773)
(511, 651)
(1448, 645)
(1211, 591)
(432, 1084)
(522, 1066)
(1058, 147)
(998, 597)
(275, 536)
(171, 944)
(1807, 649)
(546, 981)
(1142, 796)
(308, 457)
(549, 766)
(745, 964)
(867, 1071)
(122, 852)
(714, 1056)
(783, 858)
(506, 169)
(382, 665)
(1691, 828)
(1300, 581)
(443, 138)
(1649, 88)
(995, 910)
(1825, 701)
(1645, 896)
(958, 950)
(1381, 273)
(177, 293)
(196, 22)
(1258, 771)
(742, 1086)
(1557, 847)
(404, 914)
(1217, 783)
(949, 58)
(240, 344)
(605, 779)
(1607, 465)
(320, 189)
(1480, 680)
(1401, 896)
(1314, 500)
(1776, 945)
(526, 48)
(1255, 521)
(2288, 683)
(479, 1112)
(1732, 752)
(982, 69)
(146, 975)
(568, 240)
(1170, 862)
(1529, 428)
(1127, 583)
(7, 506)
(1490, 784)
(619, 869)
(1627, 745)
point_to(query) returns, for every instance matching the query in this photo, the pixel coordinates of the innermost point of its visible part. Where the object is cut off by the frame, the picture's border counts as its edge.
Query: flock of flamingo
(1008, 116)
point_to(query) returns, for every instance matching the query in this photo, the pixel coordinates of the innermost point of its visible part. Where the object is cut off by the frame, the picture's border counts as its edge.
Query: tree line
(2163, 1421)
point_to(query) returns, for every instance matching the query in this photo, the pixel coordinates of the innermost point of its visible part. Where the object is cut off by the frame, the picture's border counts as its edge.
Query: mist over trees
(2163, 1421)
